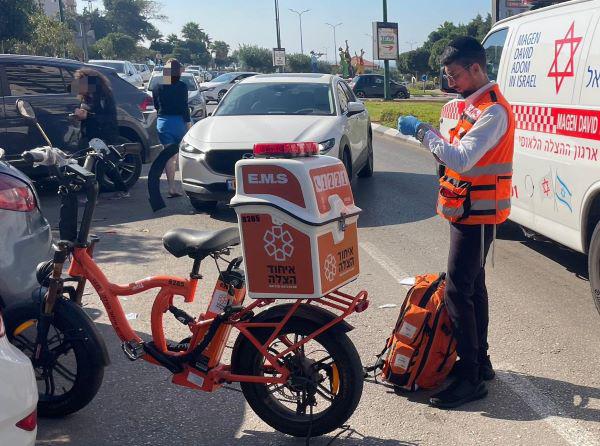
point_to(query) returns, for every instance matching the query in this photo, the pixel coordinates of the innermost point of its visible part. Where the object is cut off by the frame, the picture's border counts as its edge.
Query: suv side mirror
(25, 109)
(355, 108)
(444, 83)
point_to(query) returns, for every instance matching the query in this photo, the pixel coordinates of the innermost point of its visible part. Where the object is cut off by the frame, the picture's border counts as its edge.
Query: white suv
(274, 108)
(125, 70)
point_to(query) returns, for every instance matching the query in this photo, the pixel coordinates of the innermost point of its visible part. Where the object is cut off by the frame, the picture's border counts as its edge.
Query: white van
(547, 64)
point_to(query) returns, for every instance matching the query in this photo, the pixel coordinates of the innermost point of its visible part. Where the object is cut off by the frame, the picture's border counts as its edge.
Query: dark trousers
(466, 295)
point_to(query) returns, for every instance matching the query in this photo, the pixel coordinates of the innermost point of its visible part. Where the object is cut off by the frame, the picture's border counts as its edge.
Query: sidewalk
(388, 131)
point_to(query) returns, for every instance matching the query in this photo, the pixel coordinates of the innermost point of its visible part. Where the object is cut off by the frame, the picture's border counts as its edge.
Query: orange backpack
(421, 350)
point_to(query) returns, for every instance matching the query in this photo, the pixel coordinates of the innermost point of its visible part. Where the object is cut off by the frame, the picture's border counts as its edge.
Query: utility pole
(335, 48)
(300, 17)
(386, 63)
(277, 29)
(61, 13)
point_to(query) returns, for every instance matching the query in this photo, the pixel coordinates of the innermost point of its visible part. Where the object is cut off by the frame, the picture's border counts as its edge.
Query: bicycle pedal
(133, 350)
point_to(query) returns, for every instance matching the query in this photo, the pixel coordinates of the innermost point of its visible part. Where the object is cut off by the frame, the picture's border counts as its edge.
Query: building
(502, 9)
(52, 8)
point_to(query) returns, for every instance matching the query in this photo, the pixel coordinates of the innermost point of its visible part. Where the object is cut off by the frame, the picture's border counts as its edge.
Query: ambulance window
(493, 49)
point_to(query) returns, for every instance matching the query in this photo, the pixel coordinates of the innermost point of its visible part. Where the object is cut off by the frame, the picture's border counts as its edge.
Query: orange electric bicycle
(297, 368)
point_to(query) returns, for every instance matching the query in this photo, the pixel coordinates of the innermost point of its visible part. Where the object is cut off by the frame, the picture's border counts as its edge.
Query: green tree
(49, 38)
(117, 46)
(298, 63)
(221, 51)
(132, 17)
(98, 22)
(192, 31)
(14, 21)
(414, 62)
(255, 58)
(324, 67)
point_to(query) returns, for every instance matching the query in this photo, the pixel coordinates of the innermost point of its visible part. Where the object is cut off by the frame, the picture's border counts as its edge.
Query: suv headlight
(326, 145)
(188, 148)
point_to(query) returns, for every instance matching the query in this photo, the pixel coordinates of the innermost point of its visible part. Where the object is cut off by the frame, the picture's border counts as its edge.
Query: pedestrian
(313, 62)
(474, 195)
(171, 102)
(98, 115)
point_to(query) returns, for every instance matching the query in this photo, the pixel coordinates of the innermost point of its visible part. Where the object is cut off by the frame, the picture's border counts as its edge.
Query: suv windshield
(227, 77)
(278, 99)
(187, 80)
(119, 66)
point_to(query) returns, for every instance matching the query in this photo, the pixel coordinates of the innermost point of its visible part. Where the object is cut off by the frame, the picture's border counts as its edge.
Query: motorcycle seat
(199, 244)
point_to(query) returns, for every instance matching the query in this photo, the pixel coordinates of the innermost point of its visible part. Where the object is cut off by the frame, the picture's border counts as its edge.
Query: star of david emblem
(572, 44)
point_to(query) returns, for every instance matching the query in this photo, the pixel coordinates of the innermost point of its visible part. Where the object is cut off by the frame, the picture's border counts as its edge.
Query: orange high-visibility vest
(480, 195)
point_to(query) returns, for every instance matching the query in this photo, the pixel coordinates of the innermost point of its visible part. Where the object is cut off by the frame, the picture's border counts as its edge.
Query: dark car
(371, 86)
(46, 84)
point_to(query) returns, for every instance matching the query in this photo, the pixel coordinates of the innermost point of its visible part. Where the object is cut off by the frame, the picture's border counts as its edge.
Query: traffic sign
(279, 57)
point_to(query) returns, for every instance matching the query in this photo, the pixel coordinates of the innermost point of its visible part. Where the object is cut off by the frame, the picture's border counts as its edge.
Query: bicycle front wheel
(69, 376)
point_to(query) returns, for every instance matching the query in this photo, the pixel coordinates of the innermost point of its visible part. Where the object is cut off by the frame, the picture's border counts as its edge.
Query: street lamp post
(386, 63)
(334, 39)
(277, 29)
(411, 43)
(300, 17)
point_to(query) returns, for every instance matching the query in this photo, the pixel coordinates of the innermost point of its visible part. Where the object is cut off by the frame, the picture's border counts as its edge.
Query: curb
(388, 131)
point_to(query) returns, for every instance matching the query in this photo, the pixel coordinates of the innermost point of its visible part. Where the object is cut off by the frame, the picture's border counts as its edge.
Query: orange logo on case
(338, 263)
(278, 257)
(331, 180)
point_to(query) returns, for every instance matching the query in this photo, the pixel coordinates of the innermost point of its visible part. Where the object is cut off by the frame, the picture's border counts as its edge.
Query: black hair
(464, 51)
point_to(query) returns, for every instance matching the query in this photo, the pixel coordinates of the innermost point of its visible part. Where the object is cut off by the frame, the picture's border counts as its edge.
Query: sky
(253, 21)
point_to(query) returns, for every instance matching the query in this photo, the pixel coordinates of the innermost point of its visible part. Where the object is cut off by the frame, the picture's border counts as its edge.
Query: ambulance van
(547, 64)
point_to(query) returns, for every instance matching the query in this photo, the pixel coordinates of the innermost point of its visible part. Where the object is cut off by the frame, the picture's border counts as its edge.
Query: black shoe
(459, 392)
(486, 371)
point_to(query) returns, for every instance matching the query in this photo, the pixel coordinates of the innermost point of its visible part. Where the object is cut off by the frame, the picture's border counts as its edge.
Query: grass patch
(416, 91)
(387, 113)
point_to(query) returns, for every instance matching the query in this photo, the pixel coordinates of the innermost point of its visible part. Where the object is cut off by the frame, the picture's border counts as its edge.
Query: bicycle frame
(84, 267)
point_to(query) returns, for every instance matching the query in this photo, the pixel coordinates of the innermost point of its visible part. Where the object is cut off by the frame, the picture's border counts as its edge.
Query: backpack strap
(432, 288)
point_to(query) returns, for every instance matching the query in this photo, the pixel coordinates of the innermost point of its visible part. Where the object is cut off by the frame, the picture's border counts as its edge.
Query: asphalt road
(544, 331)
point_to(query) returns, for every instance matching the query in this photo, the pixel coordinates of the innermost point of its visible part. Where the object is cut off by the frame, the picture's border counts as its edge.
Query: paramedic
(474, 196)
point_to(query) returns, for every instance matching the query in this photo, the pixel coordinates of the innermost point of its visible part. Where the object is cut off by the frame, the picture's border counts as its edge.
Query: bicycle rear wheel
(326, 379)
(70, 376)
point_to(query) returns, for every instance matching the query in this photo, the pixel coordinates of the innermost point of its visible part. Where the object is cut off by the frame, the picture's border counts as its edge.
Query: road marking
(549, 411)
(385, 262)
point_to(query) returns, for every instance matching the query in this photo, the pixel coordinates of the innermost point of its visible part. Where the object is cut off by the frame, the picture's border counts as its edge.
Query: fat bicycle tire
(246, 360)
(89, 373)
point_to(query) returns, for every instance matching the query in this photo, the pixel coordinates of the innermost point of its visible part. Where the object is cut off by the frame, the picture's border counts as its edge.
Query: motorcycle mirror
(25, 109)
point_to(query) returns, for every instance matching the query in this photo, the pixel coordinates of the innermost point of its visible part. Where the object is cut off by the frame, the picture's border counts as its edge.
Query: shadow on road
(138, 405)
(507, 394)
(573, 261)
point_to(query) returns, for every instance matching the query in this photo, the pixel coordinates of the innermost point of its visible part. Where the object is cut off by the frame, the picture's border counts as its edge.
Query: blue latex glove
(408, 125)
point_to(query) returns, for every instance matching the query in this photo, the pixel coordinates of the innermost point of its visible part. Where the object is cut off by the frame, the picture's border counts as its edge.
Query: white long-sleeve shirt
(485, 134)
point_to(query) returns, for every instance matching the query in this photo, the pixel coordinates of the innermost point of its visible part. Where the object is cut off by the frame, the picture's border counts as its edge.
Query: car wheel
(202, 205)
(361, 94)
(221, 94)
(130, 169)
(347, 162)
(594, 266)
(368, 168)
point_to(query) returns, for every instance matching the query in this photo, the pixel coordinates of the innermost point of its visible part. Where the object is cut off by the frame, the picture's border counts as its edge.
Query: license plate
(231, 184)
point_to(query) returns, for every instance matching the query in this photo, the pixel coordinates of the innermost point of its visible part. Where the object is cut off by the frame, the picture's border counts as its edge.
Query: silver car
(217, 87)
(27, 236)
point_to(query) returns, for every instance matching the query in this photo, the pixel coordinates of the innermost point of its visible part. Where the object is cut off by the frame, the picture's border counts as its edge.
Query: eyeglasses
(452, 78)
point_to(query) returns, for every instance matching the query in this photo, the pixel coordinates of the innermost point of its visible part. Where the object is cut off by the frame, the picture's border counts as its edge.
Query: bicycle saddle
(199, 244)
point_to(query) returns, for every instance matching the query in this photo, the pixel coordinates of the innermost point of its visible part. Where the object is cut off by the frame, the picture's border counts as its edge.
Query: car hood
(252, 129)
(212, 84)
